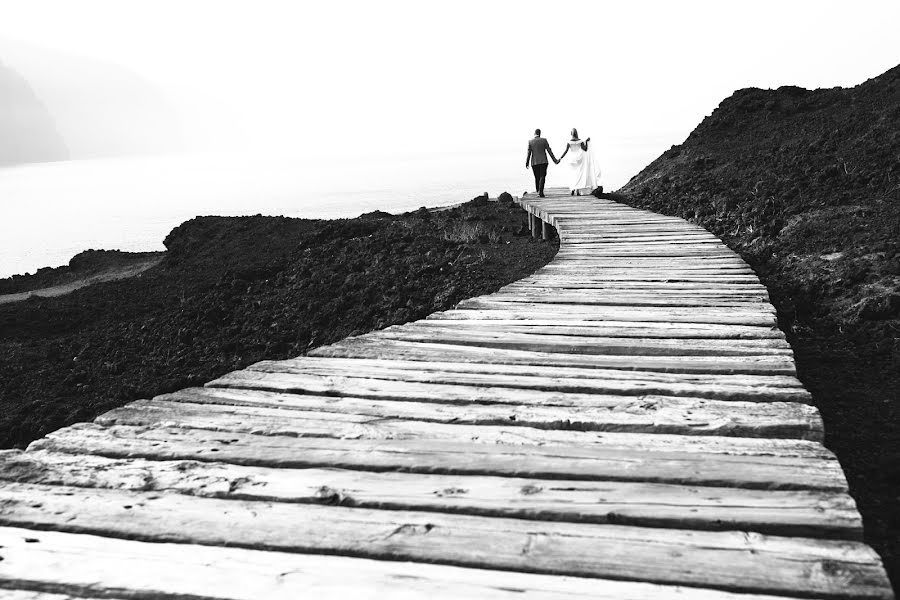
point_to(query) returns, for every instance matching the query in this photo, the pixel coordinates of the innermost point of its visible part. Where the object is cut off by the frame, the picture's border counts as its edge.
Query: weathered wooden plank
(564, 297)
(88, 566)
(593, 345)
(635, 296)
(663, 290)
(799, 513)
(365, 347)
(756, 563)
(605, 328)
(610, 414)
(665, 285)
(431, 368)
(514, 456)
(486, 307)
(388, 389)
(276, 422)
(551, 379)
(609, 276)
(645, 414)
(417, 378)
(664, 281)
(584, 262)
(620, 328)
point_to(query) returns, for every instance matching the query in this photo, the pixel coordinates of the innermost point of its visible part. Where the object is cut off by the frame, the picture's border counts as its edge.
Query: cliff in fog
(27, 130)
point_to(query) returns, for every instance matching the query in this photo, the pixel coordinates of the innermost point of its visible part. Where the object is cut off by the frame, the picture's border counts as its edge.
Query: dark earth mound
(82, 266)
(805, 185)
(233, 291)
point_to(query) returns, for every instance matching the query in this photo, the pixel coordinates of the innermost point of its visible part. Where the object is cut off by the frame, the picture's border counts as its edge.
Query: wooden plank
(642, 274)
(88, 566)
(660, 289)
(276, 422)
(690, 466)
(595, 299)
(634, 296)
(655, 414)
(395, 389)
(593, 345)
(603, 328)
(798, 513)
(364, 347)
(486, 307)
(426, 370)
(473, 386)
(646, 414)
(605, 316)
(579, 379)
(756, 563)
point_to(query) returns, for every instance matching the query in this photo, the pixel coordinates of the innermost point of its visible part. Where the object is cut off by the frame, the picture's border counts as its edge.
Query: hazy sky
(401, 78)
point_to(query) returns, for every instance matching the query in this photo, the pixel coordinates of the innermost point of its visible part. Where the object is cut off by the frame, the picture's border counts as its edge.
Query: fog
(343, 80)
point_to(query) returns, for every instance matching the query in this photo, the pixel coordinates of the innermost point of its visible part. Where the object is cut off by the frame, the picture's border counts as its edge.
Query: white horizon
(405, 79)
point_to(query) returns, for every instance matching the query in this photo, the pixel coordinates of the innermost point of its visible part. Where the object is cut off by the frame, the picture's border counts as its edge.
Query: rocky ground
(233, 291)
(805, 185)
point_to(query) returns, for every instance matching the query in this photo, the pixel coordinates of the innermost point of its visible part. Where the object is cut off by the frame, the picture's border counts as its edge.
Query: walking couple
(582, 172)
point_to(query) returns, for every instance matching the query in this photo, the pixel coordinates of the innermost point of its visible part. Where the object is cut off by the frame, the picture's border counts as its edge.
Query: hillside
(27, 131)
(805, 185)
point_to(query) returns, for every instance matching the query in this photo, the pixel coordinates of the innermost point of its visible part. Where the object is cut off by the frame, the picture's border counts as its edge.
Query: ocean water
(49, 212)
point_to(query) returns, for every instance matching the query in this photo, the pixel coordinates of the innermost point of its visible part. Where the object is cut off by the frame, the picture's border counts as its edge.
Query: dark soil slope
(805, 185)
(233, 291)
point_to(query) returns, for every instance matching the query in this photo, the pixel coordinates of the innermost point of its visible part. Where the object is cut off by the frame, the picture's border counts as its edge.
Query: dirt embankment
(86, 268)
(805, 185)
(233, 291)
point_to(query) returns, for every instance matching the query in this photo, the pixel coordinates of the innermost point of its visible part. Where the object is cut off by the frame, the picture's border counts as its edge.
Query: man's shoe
(542, 195)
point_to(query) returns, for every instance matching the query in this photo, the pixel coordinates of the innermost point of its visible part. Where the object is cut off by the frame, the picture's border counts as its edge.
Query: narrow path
(110, 274)
(624, 423)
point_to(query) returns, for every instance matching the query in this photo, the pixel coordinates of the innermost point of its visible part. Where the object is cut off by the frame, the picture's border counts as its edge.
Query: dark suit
(537, 150)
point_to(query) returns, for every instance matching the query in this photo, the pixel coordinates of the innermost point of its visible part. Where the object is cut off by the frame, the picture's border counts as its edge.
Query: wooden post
(545, 230)
(534, 231)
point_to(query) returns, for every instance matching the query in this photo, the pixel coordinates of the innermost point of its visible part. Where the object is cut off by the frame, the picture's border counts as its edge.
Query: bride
(583, 171)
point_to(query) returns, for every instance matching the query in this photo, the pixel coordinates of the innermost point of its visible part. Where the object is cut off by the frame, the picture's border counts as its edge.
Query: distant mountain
(27, 131)
(100, 109)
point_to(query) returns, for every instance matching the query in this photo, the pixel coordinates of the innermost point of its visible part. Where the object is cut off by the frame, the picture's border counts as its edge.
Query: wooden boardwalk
(625, 423)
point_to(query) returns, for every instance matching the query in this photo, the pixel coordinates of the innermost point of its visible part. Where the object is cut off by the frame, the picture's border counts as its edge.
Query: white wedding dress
(583, 170)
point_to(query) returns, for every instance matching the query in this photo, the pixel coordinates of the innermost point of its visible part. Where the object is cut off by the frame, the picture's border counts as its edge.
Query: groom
(538, 148)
